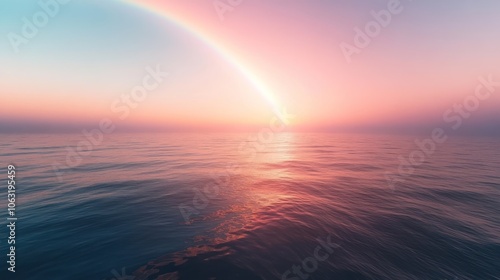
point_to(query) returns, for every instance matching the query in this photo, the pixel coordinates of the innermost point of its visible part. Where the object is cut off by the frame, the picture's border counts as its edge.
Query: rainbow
(218, 48)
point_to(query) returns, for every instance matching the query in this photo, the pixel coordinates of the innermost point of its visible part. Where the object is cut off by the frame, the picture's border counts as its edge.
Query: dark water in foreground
(304, 197)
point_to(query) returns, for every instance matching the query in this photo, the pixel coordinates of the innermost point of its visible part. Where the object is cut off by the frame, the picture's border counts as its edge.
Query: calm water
(121, 208)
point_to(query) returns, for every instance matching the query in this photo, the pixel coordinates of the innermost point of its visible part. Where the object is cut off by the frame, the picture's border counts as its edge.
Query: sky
(232, 65)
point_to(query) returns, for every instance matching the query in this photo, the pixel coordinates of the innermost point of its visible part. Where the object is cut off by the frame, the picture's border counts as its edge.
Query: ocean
(230, 206)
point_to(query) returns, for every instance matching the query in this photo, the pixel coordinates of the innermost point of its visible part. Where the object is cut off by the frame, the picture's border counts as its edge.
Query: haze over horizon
(250, 139)
(233, 71)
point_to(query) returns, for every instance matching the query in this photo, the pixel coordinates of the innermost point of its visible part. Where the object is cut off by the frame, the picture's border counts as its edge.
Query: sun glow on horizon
(263, 61)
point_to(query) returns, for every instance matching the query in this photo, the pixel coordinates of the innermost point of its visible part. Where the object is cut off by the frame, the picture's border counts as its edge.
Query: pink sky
(428, 58)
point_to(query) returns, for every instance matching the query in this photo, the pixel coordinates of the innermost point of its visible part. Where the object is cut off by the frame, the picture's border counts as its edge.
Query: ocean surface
(228, 206)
